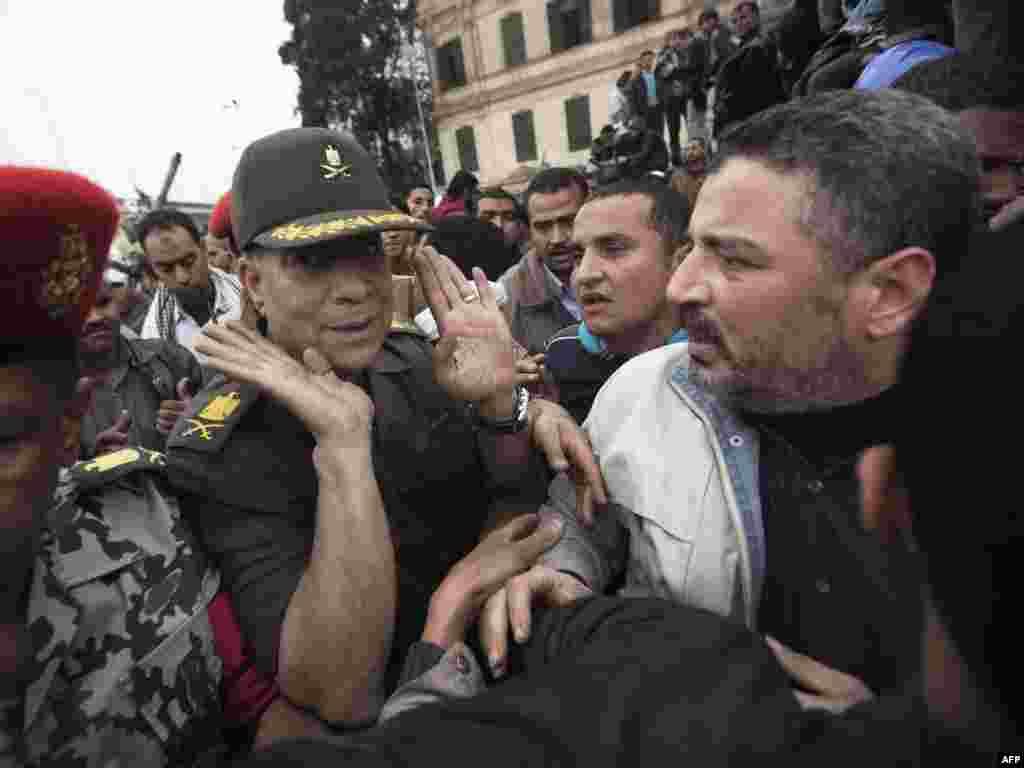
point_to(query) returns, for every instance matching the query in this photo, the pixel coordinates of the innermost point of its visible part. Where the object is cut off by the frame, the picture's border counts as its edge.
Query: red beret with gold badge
(56, 229)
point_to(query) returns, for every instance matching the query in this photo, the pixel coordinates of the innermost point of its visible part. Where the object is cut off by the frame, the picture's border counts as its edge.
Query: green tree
(357, 71)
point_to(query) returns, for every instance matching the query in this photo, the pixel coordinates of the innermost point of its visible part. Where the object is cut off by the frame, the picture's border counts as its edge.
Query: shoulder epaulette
(110, 467)
(212, 415)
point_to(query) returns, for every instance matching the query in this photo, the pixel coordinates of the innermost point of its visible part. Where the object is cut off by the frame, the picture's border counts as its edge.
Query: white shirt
(227, 305)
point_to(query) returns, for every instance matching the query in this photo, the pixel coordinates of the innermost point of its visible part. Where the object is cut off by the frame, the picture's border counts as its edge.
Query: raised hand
(170, 410)
(511, 607)
(502, 554)
(116, 437)
(332, 409)
(567, 448)
(530, 369)
(475, 358)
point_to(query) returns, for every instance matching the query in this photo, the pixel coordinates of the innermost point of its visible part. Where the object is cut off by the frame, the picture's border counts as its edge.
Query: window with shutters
(569, 24)
(451, 70)
(526, 140)
(514, 39)
(577, 122)
(631, 13)
(466, 141)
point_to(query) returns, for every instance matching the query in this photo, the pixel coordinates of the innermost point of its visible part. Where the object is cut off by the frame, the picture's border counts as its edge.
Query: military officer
(105, 593)
(331, 561)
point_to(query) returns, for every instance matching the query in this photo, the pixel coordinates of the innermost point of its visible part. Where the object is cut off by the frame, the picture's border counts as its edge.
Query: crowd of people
(627, 467)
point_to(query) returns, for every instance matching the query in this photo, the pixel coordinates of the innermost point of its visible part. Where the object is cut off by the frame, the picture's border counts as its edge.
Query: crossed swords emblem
(201, 428)
(334, 167)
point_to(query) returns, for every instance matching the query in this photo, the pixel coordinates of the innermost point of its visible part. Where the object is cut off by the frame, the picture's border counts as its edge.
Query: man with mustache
(191, 292)
(730, 461)
(541, 299)
(339, 471)
(610, 681)
(632, 236)
(141, 385)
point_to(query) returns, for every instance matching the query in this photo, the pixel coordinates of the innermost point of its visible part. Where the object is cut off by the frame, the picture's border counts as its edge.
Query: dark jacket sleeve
(262, 558)
(184, 365)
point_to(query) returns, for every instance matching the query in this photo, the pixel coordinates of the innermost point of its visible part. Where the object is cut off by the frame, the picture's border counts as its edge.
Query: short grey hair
(887, 170)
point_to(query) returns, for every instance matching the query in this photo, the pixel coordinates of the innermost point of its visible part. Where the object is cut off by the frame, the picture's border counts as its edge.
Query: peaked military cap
(307, 185)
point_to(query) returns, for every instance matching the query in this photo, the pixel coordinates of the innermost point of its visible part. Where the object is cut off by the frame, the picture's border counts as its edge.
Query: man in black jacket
(749, 80)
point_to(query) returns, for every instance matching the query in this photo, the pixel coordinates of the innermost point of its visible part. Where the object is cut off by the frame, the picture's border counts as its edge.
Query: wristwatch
(512, 425)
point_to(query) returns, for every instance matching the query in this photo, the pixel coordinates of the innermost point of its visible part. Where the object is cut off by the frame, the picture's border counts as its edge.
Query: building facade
(526, 82)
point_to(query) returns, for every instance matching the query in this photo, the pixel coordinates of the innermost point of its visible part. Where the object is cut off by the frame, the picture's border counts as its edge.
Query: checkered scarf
(168, 310)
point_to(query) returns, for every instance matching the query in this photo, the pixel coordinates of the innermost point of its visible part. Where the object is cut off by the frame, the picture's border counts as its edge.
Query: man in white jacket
(730, 461)
(191, 292)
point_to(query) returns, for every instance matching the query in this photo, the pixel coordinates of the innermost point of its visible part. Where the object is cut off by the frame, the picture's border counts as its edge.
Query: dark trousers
(654, 117)
(674, 117)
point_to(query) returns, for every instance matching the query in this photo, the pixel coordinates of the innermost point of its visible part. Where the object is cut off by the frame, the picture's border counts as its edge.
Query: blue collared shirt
(652, 93)
(568, 299)
(595, 345)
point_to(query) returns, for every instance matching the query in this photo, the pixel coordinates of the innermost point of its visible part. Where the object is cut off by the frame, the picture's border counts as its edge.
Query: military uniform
(246, 463)
(147, 373)
(123, 669)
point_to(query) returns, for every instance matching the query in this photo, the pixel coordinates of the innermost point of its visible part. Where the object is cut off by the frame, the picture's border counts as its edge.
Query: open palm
(475, 357)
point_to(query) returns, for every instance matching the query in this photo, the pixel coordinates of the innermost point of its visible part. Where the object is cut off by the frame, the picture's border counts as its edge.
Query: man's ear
(885, 506)
(250, 273)
(895, 290)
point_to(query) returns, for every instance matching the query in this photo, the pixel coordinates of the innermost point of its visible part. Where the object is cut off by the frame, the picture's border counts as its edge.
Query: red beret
(56, 229)
(220, 221)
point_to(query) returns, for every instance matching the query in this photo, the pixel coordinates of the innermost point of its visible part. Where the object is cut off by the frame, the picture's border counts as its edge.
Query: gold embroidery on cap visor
(333, 167)
(292, 232)
(65, 276)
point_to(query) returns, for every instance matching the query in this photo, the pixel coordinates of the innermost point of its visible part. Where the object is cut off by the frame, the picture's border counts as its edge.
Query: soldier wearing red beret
(107, 652)
(220, 240)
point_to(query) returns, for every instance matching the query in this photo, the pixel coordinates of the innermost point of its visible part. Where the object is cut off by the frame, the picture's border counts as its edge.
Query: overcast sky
(112, 88)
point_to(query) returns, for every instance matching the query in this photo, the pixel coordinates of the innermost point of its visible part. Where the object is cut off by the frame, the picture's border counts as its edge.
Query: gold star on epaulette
(221, 407)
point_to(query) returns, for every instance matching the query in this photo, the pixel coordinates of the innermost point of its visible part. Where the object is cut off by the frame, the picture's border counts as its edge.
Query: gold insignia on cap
(65, 276)
(221, 407)
(113, 460)
(333, 166)
(293, 232)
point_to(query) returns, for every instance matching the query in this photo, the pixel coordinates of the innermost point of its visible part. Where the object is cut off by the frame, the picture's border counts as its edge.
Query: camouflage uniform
(124, 669)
